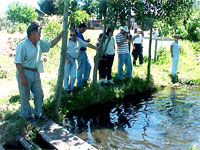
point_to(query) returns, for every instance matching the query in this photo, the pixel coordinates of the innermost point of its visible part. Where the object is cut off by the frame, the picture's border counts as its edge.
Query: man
(84, 66)
(123, 53)
(72, 54)
(27, 60)
(137, 47)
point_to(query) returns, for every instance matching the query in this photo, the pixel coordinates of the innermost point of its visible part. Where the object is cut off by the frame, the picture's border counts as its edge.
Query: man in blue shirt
(84, 66)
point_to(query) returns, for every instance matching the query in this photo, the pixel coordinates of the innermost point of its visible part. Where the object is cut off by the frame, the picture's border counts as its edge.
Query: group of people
(29, 52)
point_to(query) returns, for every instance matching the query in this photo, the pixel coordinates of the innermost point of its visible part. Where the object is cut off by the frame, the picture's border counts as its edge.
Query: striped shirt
(123, 49)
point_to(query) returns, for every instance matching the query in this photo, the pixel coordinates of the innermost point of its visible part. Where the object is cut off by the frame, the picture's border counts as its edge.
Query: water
(169, 120)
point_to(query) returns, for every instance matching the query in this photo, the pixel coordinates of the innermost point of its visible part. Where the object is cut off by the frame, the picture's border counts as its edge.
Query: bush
(17, 27)
(18, 12)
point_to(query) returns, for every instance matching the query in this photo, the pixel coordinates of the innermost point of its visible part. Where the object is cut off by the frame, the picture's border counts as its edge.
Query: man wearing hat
(137, 47)
(27, 59)
(123, 53)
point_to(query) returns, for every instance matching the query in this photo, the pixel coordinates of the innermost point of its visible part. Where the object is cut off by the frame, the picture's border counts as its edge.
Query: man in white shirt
(137, 47)
(27, 60)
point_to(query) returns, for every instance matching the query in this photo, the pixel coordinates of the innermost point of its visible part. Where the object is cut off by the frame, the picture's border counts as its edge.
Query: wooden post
(149, 59)
(155, 51)
(59, 86)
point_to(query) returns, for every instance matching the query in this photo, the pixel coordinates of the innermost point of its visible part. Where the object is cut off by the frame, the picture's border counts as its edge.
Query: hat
(125, 28)
(139, 30)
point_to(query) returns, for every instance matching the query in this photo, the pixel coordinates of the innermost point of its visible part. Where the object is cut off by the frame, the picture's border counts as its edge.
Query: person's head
(82, 27)
(124, 30)
(73, 35)
(155, 28)
(108, 32)
(139, 31)
(176, 37)
(100, 37)
(34, 31)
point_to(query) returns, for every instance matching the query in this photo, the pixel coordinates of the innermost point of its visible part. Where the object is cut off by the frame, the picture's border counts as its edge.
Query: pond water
(169, 119)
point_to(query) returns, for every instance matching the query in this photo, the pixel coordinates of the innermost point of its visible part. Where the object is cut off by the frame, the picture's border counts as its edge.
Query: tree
(78, 17)
(59, 86)
(18, 12)
(90, 6)
(170, 11)
(111, 11)
(48, 6)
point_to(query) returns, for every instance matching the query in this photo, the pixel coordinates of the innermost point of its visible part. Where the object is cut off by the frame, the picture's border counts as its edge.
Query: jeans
(124, 59)
(34, 85)
(175, 59)
(84, 68)
(70, 70)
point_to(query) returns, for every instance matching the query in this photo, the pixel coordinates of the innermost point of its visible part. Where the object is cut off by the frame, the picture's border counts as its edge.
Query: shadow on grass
(14, 99)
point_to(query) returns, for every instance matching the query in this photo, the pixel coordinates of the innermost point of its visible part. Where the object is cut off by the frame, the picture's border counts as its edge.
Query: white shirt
(110, 49)
(73, 48)
(28, 55)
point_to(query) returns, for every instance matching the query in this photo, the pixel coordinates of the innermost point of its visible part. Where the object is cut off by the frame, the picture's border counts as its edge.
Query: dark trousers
(109, 64)
(105, 66)
(137, 52)
(102, 67)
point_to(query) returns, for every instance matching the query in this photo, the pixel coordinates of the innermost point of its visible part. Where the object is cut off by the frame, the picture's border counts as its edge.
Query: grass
(12, 124)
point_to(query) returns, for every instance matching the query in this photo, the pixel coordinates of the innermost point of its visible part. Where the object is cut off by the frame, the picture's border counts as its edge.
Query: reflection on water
(169, 120)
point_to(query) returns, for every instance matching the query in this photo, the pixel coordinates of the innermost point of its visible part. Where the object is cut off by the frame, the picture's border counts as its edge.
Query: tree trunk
(149, 59)
(59, 86)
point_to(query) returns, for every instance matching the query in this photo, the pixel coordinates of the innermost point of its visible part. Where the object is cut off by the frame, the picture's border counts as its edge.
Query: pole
(149, 59)
(59, 86)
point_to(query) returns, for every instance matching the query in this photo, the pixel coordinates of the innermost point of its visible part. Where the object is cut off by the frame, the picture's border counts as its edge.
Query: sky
(5, 3)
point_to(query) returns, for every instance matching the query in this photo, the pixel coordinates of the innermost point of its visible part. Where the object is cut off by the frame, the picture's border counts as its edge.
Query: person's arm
(55, 41)
(122, 42)
(92, 46)
(21, 75)
(171, 47)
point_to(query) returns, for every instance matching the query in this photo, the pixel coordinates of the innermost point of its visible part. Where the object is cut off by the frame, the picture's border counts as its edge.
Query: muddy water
(169, 120)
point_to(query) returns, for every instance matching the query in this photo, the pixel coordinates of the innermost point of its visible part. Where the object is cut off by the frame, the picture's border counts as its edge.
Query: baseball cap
(124, 28)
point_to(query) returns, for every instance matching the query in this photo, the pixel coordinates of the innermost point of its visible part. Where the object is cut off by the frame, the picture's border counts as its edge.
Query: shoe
(41, 118)
(110, 81)
(105, 81)
(100, 81)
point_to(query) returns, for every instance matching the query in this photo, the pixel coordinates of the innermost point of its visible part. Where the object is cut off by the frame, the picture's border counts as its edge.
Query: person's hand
(88, 40)
(45, 58)
(23, 81)
(68, 61)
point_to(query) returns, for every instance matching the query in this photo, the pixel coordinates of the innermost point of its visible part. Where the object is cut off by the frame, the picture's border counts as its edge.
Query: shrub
(18, 12)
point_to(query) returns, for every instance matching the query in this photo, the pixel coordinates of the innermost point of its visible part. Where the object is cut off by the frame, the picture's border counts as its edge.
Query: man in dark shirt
(84, 66)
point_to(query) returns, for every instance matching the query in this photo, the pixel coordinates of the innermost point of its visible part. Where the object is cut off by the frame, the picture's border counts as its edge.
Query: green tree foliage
(18, 12)
(170, 11)
(78, 17)
(73, 6)
(90, 6)
(48, 6)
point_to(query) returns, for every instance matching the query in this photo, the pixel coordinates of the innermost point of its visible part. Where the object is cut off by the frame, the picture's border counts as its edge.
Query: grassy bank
(12, 124)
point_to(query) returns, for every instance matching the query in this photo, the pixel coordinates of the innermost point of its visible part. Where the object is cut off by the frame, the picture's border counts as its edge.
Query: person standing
(137, 47)
(123, 53)
(72, 54)
(110, 54)
(27, 60)
(174, 50)
(84, 66)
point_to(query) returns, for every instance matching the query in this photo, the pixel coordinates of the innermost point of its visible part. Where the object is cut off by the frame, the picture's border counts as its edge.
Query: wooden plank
(1, 147)
(62, 139)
